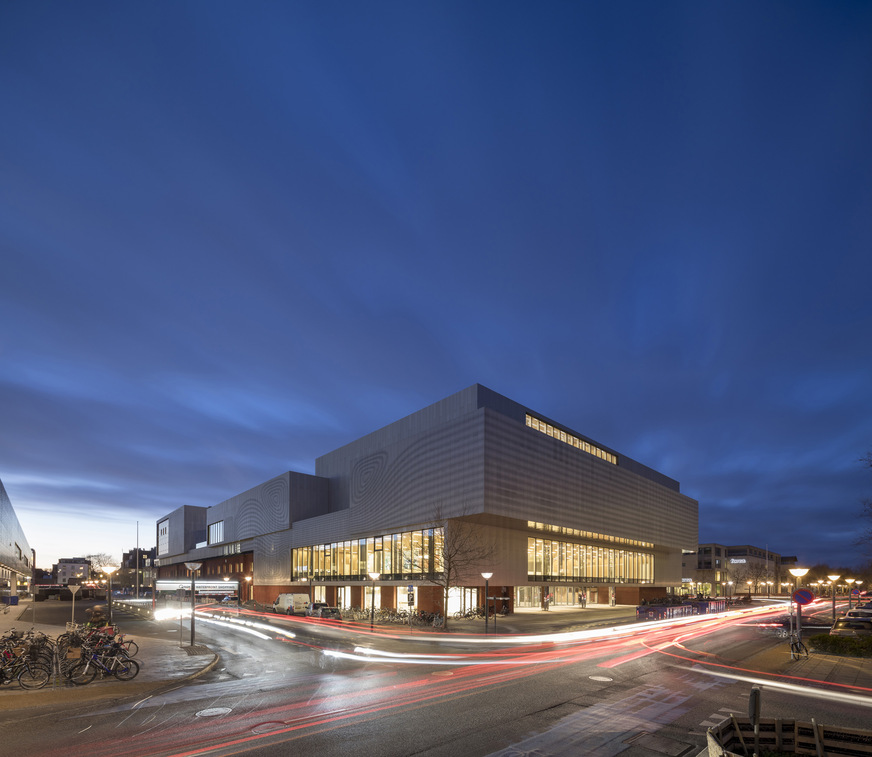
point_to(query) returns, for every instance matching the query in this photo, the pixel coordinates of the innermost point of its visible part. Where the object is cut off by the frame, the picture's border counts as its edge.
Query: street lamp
(248, 588)
(486, 577)
(374, 576)
(749, 587)
(769, 590)
(798, 573)
(109, 570)
(193, 566)
(729, 584)
(849, 581)
(833, 579)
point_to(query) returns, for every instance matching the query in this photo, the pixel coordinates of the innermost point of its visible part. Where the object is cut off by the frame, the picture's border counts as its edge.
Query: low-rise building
(740, 569)
(72, 570)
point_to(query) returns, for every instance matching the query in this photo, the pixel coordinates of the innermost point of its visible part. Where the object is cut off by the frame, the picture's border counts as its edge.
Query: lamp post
(248, 588)
(486, 577)
(729, 584)
(769, 590)
(849, 581)
(833, 579)
(374, 576)
(109, 570)
(749, 587)
(798, 573)
(193, 567)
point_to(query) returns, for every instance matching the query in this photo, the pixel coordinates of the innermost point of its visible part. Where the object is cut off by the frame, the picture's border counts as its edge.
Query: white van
(291, 604)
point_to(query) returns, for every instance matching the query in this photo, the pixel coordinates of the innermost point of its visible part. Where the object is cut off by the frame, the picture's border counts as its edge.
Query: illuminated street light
(486, 577)
(109, 570)
(193, 567)
(374, 576)
(849, 581)
(798, 573)
(833, 580)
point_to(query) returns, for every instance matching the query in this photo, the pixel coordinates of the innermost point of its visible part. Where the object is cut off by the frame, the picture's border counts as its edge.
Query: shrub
(843, 645)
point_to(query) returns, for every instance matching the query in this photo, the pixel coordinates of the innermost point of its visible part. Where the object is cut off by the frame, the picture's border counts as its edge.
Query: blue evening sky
(238, 235)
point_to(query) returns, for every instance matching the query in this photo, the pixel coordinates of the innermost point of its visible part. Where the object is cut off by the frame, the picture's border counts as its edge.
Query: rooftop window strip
(588, 534)
(573, 441)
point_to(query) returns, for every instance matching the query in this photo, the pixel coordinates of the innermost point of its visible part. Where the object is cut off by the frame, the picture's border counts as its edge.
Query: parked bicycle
(109, 659)
(21, 660)
(798, 650)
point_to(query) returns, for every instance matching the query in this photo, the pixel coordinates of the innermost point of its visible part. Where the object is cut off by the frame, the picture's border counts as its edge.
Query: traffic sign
(803, 597)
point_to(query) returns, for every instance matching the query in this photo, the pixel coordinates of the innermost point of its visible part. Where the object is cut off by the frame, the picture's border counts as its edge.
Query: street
(637, 693)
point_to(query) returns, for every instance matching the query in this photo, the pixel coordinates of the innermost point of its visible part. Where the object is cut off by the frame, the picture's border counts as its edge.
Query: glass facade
(408, 555)
(550, 560)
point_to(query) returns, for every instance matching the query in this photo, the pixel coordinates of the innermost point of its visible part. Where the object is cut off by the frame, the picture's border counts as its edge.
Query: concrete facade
(473, 458)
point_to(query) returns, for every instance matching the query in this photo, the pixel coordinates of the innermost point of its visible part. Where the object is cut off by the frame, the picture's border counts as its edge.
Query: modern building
(475, 483)
(136, 572)
(72, 570)
(741, 569)
(16, 556)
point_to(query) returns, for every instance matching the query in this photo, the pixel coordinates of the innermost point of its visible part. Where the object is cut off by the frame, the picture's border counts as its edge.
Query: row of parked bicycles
(401, 617)
(79, 656)
(477, 613)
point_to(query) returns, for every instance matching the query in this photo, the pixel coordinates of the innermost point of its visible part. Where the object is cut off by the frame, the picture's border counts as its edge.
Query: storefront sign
(203, 587)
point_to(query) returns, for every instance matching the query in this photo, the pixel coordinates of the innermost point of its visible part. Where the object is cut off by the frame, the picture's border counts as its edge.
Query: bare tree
(463, 553)
(759, 573)
(738, 574)
(99, 561)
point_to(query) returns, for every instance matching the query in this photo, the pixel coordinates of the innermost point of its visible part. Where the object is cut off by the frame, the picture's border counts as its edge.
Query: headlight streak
(792, 688)
(253, 632)
(371, 655)
(470, 673)
(231, 621)
(425, 690)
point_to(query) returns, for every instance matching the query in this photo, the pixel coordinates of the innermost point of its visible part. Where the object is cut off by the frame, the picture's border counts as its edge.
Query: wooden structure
(735, 737)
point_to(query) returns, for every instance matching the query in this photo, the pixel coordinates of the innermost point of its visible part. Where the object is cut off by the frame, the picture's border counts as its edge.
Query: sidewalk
(161, 661)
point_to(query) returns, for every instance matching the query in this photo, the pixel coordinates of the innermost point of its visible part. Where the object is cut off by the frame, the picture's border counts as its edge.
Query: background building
(548, 511)
(72, 570)
(722, 569)
(136, 571)
(16, 556)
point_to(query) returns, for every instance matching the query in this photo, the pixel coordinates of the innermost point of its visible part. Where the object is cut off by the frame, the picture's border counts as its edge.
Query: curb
(18, 698)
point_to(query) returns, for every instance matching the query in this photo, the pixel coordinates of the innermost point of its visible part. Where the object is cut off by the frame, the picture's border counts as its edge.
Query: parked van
(291, 604)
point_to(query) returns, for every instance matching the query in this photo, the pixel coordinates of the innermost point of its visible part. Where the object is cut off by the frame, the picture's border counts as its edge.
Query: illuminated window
(402, 556)
(571, 440)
